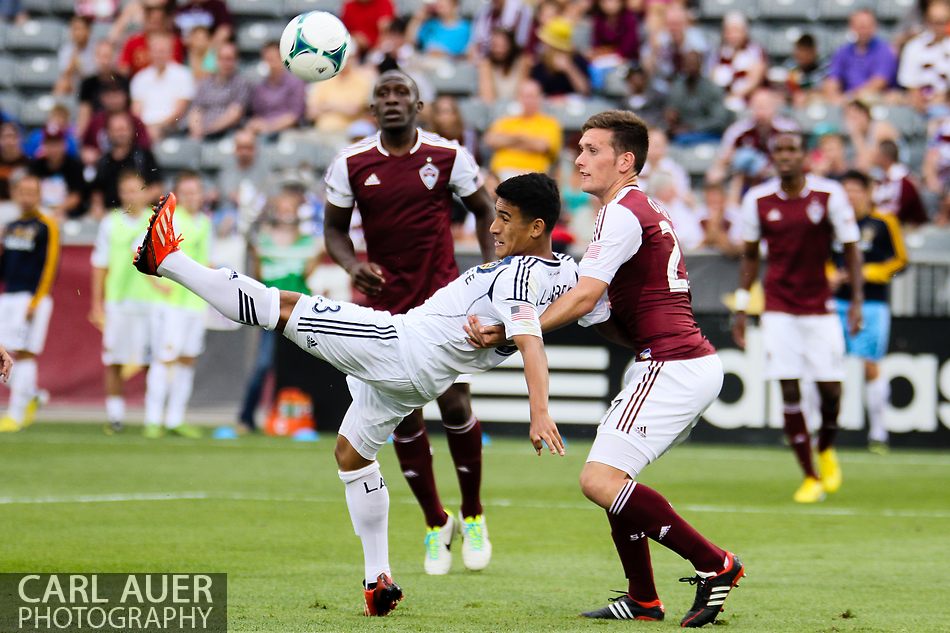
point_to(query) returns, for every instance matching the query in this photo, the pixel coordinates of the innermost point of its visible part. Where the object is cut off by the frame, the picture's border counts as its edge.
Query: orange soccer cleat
(160, 239)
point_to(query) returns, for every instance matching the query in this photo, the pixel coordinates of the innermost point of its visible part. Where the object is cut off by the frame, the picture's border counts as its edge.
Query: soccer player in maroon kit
(799, 215)
(635, 258)
(402, 181)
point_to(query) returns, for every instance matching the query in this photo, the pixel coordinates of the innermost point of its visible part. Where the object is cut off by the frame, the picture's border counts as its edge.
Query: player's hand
(97, 316)
(6, 364)
(484, 336)
(855, 318)
(368, 278)
(543, 429)
(738, 329)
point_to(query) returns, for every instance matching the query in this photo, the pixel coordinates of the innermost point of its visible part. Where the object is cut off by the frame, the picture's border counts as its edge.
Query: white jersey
(513, 292)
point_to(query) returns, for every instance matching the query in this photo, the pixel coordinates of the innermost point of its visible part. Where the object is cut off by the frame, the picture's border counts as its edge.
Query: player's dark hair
(629, 133)
(535, 195)
(857, 176)
(396, 72)
(793, 134)
(860, 105)
(889, 149)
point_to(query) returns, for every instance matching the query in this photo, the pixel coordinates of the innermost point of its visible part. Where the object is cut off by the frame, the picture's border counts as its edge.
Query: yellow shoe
(830, 470)
(8, 425)
(811, 491)
(40, 399)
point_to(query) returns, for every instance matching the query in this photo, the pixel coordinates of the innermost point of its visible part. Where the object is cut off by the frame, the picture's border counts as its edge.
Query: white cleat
(476, 548)
(438, 542)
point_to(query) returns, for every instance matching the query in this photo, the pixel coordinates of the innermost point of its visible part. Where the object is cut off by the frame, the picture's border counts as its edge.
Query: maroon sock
(829, 424)
(415, 459)
(645, 511)
(634, 552)
(798, 438)
(465, 445)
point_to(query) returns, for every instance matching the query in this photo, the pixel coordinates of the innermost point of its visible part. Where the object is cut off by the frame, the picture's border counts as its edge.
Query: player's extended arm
(536, 376)
(853, 261)
(748, 273)
(97, 312)
(367, 276)
(480, 204)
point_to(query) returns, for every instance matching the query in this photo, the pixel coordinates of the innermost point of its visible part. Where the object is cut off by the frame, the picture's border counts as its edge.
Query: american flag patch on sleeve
(592, 252)
(523, 313)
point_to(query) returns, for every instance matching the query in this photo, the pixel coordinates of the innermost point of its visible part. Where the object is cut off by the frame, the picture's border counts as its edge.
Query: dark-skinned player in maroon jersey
(402, 180)
(799, 216)
(635, 258)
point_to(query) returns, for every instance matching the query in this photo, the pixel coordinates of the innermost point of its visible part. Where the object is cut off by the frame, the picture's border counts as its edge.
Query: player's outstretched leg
(414, 452)
(238, 297)
(367, 498)
(811, 489)
(830, 393)
(464, 435)
(639, 512)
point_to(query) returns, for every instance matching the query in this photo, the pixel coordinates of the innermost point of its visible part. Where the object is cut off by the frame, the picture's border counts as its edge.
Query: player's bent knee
(347, 458)
(288, 301)
(600, 483)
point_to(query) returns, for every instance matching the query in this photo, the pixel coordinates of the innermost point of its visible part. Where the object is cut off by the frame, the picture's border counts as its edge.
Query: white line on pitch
(504, 503)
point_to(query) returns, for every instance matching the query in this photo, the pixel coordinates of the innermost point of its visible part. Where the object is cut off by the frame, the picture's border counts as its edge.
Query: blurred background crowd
(92, 87)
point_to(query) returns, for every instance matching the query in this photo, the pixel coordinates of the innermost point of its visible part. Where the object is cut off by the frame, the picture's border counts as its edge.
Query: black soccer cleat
(381, 597)
(624, 607)
(711, 592)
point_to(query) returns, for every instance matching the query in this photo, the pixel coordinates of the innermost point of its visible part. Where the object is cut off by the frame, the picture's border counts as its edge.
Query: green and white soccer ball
(315, 45)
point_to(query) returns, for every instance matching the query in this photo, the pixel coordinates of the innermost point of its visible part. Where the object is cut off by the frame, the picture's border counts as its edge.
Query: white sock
(115, 408)
(877, 393)
(367, 498)
(22, 387)
(182, 380)
(238, 297)
(156, 390)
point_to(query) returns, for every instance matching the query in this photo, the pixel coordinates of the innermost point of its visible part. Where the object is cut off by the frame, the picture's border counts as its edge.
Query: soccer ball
(314, 46)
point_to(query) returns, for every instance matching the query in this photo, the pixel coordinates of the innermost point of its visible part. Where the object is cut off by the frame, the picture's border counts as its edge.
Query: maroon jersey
(406, 206)
(636, 252)
(799, 234)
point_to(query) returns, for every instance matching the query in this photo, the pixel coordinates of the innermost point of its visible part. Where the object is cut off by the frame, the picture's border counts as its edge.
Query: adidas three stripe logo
(247, 313)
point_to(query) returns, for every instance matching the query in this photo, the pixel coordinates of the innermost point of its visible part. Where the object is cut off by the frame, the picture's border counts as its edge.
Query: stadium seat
(297, 152)
(582, 35)
(268, 8)
(10, 104)
(695, 159)
(38, 72)
(827, 116)
(908, 121)
(296, 7)
(470, 8)
(716, 9)
(455, 78)
(616, 83)
(841, 9)
(35, 35)
(214, 154)
(66, 8)
(252, 37)
(788, 10)
(778, 42)
(830, 39)
(572, 113)
(7, 67)
(178, 153)
(407, 7)
(894, 9)
(34, 111)
(37, 7)
(475, 113)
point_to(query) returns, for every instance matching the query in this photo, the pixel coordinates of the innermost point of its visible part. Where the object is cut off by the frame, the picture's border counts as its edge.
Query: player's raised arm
(542, 427)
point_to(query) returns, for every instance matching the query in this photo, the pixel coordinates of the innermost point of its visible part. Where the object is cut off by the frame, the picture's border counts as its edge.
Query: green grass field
(271, 514)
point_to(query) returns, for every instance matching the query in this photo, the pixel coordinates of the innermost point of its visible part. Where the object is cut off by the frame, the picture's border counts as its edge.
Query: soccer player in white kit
(635, 260)
(398, 363)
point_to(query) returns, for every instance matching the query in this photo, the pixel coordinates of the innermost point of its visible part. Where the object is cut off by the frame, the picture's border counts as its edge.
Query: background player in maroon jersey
(798, 216)
(402, 181)
(635, 259)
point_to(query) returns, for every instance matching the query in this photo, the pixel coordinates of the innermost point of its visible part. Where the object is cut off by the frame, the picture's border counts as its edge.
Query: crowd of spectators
(162, 71)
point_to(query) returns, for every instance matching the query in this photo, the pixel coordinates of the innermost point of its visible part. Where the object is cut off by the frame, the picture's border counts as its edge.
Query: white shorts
(660, 404)
(177, 333)
(365, 345)
(16, 333)
(125, 338)
(803, 346)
